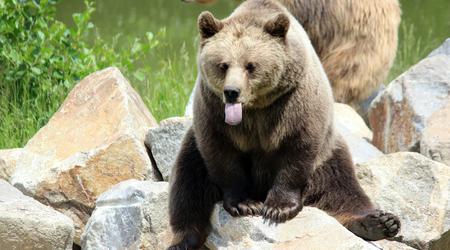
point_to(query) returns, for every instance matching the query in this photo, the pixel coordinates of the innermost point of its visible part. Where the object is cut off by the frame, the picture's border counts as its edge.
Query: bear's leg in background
(334, 188)
(192, 197)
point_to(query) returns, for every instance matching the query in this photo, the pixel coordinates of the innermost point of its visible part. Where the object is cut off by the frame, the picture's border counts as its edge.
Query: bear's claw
(280, 214)
(244, 208)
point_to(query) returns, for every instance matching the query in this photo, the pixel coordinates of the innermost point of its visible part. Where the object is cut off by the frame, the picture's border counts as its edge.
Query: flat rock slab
(400, 115)
(131, 215)
(391, 245)
(311, 229)
(27, 224)
(94, 141)
(414, 188)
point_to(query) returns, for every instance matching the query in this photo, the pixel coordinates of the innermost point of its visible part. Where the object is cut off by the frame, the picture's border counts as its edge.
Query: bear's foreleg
(227, 169)
(284, 198)
(192, 197)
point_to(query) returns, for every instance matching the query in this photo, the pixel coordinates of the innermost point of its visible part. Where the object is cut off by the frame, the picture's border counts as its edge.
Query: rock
(311, 229)
(360, 149)
(8, 160)
(27, 224)
(391, 245)
(355, 132)
(165, 141)
(399, 115)
(131, 215)
(416, 189)
(435, 142)
(346, 118)
(94, 141)
(189, 109)
(444, 49)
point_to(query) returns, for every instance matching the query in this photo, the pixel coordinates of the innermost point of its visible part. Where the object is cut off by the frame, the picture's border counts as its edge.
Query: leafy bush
(41, 59)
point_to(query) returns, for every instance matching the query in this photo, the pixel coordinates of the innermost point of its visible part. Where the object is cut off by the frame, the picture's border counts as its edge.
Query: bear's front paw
(244, 208)
(279, 208)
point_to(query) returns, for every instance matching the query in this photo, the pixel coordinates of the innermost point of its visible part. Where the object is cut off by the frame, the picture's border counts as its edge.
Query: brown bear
(356, 40)
(263, 139)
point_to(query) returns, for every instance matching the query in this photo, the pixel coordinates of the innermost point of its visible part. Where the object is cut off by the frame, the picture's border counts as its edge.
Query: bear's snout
(231, 94)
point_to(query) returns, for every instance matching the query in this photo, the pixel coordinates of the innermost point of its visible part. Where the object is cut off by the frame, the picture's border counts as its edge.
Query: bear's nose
(231, 94)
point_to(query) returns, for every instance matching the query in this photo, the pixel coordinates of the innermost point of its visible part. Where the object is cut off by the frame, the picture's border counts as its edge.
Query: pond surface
(425, 25)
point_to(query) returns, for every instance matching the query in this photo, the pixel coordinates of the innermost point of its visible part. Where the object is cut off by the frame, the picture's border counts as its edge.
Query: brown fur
(285, 152)
(356, 41)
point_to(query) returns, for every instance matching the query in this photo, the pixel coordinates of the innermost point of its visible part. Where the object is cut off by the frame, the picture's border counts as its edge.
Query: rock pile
(97, 174)
(94, 141)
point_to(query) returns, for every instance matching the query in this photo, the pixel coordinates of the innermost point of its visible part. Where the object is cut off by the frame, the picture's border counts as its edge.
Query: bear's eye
(250, 67)
(223, 67)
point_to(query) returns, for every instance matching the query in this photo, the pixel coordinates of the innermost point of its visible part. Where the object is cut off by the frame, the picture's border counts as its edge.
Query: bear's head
(243, 59)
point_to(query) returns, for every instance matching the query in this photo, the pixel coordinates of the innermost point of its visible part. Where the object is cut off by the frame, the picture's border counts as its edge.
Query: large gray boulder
(164, 142)
(131, 215)
(400, 115)
(27, 224)
(416, 189)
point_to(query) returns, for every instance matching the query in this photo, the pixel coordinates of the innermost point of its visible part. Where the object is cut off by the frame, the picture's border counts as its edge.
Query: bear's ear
(208, 25)
(278, 26)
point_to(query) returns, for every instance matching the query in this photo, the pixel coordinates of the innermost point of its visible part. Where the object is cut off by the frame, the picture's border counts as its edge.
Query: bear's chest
(252, 135)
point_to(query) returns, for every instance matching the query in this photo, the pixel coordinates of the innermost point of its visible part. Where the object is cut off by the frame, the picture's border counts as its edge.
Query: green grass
(411, 49)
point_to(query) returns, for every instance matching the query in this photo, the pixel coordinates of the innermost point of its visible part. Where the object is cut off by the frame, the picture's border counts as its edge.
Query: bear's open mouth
(233, 113)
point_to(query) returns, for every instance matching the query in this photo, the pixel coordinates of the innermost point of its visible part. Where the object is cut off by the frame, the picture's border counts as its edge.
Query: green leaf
(36, 70)
(139, 75)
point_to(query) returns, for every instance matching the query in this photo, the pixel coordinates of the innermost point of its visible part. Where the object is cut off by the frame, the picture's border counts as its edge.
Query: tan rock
(26, 224)
(8, 160)
(435, 142)
(346, 118)
(95, 140)
(414, 188)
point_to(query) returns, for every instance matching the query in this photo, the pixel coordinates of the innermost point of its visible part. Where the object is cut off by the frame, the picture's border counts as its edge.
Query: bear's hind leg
(334, 188)
(191, 199)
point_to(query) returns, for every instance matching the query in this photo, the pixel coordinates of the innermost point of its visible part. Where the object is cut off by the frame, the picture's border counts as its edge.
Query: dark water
(425, 23)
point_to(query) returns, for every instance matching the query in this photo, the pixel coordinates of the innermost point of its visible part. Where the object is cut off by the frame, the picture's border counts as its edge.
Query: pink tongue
(233, 113)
